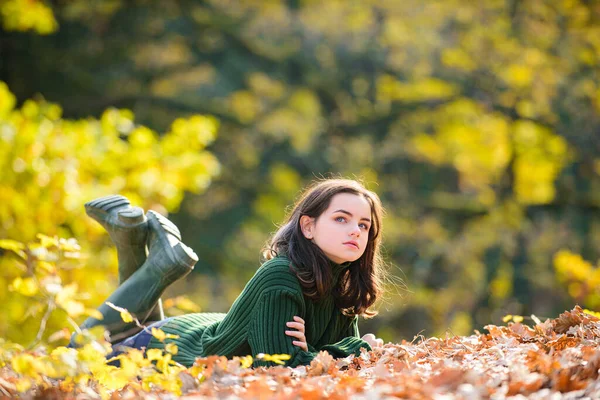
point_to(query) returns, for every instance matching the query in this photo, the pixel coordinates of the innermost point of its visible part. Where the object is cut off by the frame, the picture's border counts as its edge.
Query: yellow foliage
(501, 285)
(518, 75)
(87, 365)
(49, 167)
(480, 145)
(159, 334)
(245, 105)
(27, 287)
(125, 315)
(581, 278)
(594, 313)
(25, 15)
(474, 141)
(515, 318)
(388, 88)
(300, 120)
(14, 246)
(171, 348)
(275, 358)
(263, 85)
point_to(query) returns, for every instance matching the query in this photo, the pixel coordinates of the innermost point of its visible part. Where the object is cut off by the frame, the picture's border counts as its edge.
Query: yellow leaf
(197, 370)
(154, 354)
(113, 378)
(163, 363)
(276, 358)
(47, 241)
(246, 362)
(518, 318)
(47, 267)
(507, 318)
(171, 348)
(125, 315)
(25, 364)
(14, 246)
(159, 334)
(92, 352)
(594, 313)
(137, 356)
(27, 287)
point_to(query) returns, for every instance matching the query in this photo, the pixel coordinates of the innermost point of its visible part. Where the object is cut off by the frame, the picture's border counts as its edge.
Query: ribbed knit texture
(256, 323)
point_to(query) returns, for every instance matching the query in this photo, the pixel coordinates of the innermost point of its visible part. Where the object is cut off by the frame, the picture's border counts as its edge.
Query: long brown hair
(360, 283)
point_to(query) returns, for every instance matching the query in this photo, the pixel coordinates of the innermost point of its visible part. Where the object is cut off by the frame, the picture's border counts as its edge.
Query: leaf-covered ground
(555, 359)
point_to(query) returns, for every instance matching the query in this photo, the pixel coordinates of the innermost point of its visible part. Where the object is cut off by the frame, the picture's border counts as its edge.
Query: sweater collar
(338, 269)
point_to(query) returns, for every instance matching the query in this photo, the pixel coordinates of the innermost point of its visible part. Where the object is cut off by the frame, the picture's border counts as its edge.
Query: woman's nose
(355, 231)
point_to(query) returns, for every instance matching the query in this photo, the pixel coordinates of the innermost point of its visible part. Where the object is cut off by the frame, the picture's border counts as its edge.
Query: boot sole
(116, 211)
(181, 253)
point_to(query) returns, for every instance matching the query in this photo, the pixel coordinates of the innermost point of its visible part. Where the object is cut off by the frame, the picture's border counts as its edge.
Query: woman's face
(342, 230)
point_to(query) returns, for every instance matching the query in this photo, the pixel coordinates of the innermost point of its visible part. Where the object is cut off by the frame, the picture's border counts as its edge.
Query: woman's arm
(269, 322)
(349, 343)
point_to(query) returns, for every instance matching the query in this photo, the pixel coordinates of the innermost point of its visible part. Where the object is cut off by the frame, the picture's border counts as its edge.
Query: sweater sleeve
(350, 342)
(267, 330)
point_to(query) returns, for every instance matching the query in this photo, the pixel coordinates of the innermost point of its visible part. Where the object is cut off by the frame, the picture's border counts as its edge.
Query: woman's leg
(128, 228)
(168, 260)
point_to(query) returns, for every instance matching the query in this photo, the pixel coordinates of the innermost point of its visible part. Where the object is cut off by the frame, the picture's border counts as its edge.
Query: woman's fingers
(296, 325)
(373, 340)
(296, 334)
(302, 345)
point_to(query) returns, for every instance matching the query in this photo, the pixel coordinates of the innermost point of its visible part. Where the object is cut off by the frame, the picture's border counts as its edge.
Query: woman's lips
(352, 245)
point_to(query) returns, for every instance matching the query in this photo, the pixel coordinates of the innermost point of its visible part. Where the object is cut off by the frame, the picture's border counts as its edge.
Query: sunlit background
(477, 123)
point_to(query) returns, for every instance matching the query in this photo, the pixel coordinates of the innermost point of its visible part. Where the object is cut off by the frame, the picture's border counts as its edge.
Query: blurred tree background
(476, 122)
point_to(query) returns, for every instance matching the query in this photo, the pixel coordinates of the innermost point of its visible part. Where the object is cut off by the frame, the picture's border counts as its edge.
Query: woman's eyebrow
(350, 214)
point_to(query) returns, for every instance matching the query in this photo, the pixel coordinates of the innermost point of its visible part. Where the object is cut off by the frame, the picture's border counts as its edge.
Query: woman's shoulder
(276, 272)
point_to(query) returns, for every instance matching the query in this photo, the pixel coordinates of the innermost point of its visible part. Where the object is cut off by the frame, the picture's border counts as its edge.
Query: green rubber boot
(128, 229)
(168, 260)
(126, 226)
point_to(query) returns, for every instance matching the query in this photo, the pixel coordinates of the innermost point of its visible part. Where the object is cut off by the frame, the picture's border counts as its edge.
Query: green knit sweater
(256, 322)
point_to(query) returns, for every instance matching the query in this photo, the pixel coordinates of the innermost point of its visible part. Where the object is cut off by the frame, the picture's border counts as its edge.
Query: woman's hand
(372, 340)
(297, 324)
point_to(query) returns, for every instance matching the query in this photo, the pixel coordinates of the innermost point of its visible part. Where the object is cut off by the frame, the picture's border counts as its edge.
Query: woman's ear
(307, 226)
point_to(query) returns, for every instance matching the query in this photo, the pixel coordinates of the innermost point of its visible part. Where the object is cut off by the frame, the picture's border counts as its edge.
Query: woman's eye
(340, 219)
(364, 226)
